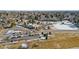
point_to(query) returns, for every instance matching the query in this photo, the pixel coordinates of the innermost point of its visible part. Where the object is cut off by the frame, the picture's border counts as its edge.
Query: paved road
(75, 31)
(27, 37)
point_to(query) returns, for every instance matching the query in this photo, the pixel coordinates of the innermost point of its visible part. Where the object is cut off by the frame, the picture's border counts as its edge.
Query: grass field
(59, 40)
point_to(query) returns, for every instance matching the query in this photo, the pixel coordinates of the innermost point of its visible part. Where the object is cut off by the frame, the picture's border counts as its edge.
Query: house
(30, 26)
(9, 32)
(41, 36)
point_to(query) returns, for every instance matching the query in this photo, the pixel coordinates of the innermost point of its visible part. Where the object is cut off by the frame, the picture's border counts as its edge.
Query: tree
(7, 39)
(46, 36)
(36, 17)
(76, 20)
(24, 24)
(32, 19)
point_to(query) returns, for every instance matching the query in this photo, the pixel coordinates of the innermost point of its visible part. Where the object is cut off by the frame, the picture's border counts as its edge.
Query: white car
(42, 38)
